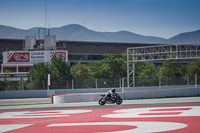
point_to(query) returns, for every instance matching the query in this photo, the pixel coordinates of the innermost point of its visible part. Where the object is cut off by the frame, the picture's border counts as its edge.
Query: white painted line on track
(142, 127)
(5, 128)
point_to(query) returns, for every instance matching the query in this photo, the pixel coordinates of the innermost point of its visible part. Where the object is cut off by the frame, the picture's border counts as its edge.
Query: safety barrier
(139, 94)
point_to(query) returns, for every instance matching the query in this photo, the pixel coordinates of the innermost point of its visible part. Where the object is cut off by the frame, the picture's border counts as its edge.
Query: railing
(145, 81)
(64, 84)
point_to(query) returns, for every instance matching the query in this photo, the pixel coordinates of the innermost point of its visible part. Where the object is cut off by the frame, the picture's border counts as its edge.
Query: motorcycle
(115, 98)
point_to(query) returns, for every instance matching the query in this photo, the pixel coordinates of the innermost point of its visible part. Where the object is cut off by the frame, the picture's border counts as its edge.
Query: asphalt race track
(166, 118)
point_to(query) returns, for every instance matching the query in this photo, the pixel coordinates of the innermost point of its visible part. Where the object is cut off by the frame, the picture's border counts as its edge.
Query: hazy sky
(162, 18)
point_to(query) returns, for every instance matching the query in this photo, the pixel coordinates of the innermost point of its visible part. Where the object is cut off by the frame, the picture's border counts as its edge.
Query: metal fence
(167, 81)
(64, 84)
(145, 81)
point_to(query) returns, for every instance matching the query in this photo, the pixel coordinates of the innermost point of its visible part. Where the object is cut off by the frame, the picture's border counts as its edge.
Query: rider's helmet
(113, 90)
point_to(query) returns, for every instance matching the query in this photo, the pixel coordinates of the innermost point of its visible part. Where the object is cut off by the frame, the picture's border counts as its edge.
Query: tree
(80, 71)
(124, 56)
(60, 69)
(146, 73)
(114, 66)
(97, 69)
(172, 73)
(145, 69)
(193, 67)
(170, 69)
(37, 76)
(81, 76)
(60, 74)
(6, 84)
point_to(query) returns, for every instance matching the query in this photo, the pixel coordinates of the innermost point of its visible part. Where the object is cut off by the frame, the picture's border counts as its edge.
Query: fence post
(47, 86)
(48, 82)
(122, 84)
(160, 84)
(188, 83)
(96, 84)
(22, 84)
(72, 83)
(195, 80)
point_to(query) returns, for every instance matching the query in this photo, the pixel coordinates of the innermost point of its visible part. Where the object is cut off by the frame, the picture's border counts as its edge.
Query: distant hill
(76, 32)
(187, 37)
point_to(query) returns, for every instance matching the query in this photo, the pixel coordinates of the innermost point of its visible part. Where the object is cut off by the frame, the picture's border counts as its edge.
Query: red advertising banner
(55, 54)
(18, 57)
(32, 56)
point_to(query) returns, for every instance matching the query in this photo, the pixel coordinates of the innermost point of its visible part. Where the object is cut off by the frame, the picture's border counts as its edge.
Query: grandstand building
(76, 50)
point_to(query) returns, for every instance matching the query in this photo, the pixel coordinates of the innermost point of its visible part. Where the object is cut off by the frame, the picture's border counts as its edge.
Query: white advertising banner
(38, 56)
(32, 56)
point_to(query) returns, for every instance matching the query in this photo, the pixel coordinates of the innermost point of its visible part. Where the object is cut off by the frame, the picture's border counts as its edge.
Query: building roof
(75, 47)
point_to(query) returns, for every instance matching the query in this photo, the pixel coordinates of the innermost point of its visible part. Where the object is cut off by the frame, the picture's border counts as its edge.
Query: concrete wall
(162, 93)
(128, 95)
(48, 93)
(87, 97)
(23, 94)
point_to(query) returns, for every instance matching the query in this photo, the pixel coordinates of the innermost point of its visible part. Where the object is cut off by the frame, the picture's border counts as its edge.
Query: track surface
(179, 118)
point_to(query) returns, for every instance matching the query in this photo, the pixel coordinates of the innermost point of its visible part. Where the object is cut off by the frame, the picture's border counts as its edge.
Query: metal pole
(2, 68)
(160, 83)
(17, 69)
(48, 81)
(22, 83)
(47, 86)
(72, 83)
(176, 51)
(96, 84)
(195, 80)
(122, 84)
(45, 16)
(128, 68)
(133, 69)
(188, 80)
(133, 74)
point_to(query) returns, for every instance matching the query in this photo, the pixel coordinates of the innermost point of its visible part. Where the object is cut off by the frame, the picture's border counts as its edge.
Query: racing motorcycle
(115, 98)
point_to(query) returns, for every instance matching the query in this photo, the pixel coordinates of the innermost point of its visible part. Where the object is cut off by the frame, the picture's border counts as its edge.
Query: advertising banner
(18, 57)
(54, 54)
(38, 56)
(32, 56)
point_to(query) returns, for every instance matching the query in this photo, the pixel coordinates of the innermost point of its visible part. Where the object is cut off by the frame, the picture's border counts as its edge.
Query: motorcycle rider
(110, 93)
(110, 97)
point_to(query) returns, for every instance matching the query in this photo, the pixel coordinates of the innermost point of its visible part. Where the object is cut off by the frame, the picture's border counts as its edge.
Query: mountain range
(74, 32)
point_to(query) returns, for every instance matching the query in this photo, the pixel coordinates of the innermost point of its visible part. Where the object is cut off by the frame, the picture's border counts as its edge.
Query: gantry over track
(156, 53)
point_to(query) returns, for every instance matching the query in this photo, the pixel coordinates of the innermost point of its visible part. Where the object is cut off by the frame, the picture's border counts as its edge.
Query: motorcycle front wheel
(119, 101)
(102, 101)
